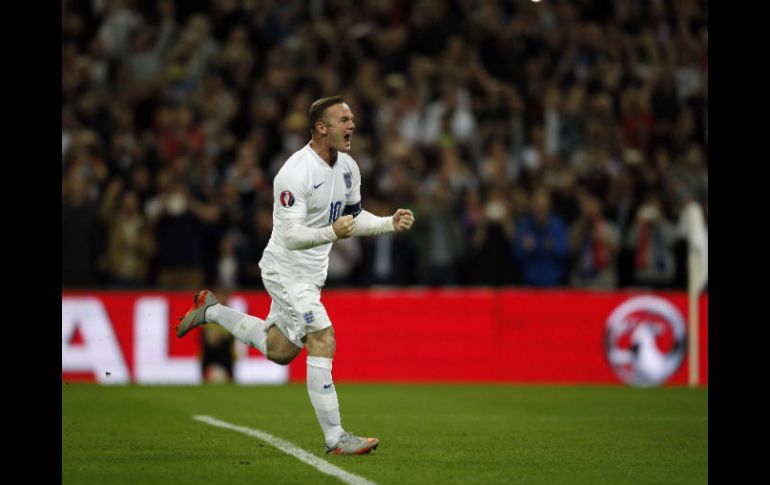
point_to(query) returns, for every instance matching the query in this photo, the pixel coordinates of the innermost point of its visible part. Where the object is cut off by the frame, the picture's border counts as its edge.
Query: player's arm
(367, 224)
(296, 236)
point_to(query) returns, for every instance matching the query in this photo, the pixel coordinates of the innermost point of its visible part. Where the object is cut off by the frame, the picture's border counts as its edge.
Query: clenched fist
(403, 220)
(344, 226)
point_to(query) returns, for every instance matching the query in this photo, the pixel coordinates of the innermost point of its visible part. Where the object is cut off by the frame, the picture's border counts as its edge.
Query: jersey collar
(321, 160)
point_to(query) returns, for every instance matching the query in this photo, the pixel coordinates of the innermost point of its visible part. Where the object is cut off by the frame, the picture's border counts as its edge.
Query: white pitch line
(290, 449)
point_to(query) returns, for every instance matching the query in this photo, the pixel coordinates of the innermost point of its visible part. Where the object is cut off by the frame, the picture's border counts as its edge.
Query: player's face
(340, 127)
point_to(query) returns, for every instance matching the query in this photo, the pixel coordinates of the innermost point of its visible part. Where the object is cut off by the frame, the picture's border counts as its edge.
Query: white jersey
(308, 189)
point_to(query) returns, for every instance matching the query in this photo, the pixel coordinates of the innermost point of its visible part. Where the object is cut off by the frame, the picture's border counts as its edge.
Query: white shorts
(296, 308)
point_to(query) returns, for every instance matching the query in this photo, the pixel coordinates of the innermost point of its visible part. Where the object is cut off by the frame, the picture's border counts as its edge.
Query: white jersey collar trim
(318, 157)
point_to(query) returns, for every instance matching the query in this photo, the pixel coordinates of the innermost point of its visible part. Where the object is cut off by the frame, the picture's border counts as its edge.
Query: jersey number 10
(334, 211)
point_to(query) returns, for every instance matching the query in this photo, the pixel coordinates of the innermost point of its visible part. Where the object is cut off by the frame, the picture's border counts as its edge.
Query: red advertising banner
(451, 335)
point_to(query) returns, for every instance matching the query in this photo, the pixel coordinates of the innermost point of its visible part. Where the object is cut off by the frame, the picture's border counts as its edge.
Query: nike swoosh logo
(316, 186)
(327, 386)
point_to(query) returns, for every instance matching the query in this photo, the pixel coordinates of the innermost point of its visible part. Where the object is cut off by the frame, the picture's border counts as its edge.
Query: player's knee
(322, 343)
(281, 355)
(328, 342)
(280, 359)
(279, 349)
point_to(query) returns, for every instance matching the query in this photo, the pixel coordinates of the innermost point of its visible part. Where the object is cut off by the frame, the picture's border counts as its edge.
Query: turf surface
(429, 434)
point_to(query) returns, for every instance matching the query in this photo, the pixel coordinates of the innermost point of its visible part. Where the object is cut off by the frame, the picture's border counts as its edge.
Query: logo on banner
(645, 340)
(287, 199)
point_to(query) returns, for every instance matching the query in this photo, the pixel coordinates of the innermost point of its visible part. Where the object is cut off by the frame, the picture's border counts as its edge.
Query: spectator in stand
(491, 238)
(130, 242)
(81, 234)
(119, 20)
(652, 238)
(231, 259)
(246, 174)
(179, 235)
(638, 122)
(452, 108)
(594, 246)
(620, 206)
(541, 246)
(388, 260)
(85, 159)
(572, 123)
(443, 237)
(181, 134)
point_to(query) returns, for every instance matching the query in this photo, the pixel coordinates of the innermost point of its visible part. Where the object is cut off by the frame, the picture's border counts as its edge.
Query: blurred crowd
(548, 144)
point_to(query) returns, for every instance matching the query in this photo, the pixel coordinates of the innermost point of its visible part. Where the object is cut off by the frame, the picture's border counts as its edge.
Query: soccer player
(316, 200)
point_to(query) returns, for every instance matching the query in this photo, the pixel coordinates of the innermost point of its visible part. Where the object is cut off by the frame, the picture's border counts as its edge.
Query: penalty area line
(290, 449)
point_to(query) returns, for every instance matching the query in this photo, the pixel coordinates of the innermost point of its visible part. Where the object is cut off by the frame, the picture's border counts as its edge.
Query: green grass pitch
(436, 434)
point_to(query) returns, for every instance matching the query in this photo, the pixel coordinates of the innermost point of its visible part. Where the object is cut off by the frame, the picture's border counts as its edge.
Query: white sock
(323, 397)
(246, 328)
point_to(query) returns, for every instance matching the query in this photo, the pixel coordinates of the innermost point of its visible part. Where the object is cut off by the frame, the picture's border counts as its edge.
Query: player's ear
(320, 127)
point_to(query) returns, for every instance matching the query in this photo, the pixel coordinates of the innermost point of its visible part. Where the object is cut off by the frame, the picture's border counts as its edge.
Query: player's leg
(320, 387)
(279, 348)
(323, 396)
(206, 309)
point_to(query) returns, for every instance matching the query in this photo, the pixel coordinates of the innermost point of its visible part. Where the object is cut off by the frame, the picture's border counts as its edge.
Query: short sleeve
(290, 195)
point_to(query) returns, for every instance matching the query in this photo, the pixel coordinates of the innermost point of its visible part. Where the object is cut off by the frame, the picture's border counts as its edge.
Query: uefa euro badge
(287, 198)
(348, 180)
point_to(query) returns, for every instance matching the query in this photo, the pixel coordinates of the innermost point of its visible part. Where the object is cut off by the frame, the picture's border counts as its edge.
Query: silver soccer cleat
(350, 444)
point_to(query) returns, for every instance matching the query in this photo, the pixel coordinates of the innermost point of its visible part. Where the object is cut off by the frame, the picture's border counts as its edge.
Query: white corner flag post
(694, 226)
